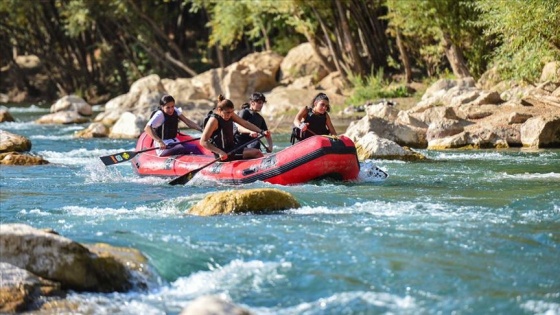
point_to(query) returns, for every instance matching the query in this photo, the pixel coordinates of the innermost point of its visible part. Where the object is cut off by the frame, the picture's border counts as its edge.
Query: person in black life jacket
(218, 133)
(315, 120)
(251, 114)
(164, 125)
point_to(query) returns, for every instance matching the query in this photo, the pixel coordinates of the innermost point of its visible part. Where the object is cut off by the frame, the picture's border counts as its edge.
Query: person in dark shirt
(218, 133)
(315, 119)
(251, 113)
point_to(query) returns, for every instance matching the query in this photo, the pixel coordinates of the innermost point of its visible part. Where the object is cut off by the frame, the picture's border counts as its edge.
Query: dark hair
(224, 103)
(321, 97)
(257, 96)
(245, 105)
(166, 99)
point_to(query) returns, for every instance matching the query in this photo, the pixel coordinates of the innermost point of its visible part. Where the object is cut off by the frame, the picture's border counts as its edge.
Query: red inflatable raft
(318, 157)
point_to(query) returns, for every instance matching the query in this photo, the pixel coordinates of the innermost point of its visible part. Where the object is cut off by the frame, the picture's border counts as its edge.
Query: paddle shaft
(185, 178)
(127, 155)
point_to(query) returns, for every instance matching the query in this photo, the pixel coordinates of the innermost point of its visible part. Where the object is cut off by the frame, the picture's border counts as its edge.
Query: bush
(375, 87)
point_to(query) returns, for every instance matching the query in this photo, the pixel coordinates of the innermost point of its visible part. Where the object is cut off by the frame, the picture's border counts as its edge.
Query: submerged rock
(213, 305)
(247, 200)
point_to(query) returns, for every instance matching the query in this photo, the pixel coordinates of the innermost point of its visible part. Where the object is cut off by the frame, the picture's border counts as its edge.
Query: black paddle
(127, 155)
(265, 147)
(185, 178)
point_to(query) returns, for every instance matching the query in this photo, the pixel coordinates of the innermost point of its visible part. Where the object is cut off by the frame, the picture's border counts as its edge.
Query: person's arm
(242, 129)
(191, 124)
(330, 125)
(300, 117)
(270, 144)
(209, 129)
(152, 133)
(268, 137)
(242, 122)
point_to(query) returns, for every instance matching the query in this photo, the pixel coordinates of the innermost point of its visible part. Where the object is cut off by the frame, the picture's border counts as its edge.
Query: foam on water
(369, 172)
(520, 155)
(542, 307)
(31, 109)
(236, 278)
(350, 302)
(529, 176)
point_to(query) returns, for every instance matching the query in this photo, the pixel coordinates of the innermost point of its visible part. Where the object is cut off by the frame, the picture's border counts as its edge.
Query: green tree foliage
(100, 47)
(438, 33)
(526, 32)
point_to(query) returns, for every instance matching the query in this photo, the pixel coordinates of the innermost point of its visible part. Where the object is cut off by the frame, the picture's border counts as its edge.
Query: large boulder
(247, 200)
(11, 142)
(371, 146)
(301, 61)
(254, 73)
(94, 130)
(541, 132)
(62, 118)
(72, 103)
(129, 126)
(59, 259)
(21, 291)
(15, 158)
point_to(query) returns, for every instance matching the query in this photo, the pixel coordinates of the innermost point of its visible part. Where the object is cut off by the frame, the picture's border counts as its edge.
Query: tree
(100, 47)
(431, 29)
(526, 32)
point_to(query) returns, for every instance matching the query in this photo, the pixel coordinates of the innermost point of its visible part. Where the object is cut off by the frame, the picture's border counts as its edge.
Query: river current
(468, 232)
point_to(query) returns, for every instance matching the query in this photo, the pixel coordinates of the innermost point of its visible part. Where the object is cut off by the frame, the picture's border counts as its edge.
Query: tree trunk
(161, 34)
(349, 43)
(455, 57)
(324, 62)
(330, 46)
(404, 58)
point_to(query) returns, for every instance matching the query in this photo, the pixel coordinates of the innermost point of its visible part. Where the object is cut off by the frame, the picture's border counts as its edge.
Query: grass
(375, 87)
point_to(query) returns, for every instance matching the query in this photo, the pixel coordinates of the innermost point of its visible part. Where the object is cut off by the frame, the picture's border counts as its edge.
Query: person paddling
(163, 127)
(315, 120)
(251, 113)
(218, 133)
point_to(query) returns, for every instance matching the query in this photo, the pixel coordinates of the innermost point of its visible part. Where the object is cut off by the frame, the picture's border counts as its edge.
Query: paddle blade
(118, 157)
(183, 179)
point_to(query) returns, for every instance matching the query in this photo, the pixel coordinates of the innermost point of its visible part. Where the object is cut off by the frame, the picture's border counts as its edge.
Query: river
(468, 232)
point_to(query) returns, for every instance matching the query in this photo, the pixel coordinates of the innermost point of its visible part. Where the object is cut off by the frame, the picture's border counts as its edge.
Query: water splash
(369, 172)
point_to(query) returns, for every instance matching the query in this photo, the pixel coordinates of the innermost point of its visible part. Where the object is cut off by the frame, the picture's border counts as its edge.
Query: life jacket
(205, 121)
(170, 126)
(317, 123)
(256, 119)
(223, 136)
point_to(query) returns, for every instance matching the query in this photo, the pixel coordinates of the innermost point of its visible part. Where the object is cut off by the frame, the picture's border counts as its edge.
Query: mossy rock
(243, 201)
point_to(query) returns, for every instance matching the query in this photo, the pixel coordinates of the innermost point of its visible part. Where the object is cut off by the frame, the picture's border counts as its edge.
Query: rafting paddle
(127, 155)
(185, 178)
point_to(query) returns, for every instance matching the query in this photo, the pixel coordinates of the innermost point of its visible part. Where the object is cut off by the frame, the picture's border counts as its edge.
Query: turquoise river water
(468, 232)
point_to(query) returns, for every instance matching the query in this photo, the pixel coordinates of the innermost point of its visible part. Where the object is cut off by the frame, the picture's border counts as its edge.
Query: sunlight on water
(350, 303)
(465, 232)
(31, 109)
(236, 274)
(529, 176)
(519, 155)
(541, 307)
(80, 156)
